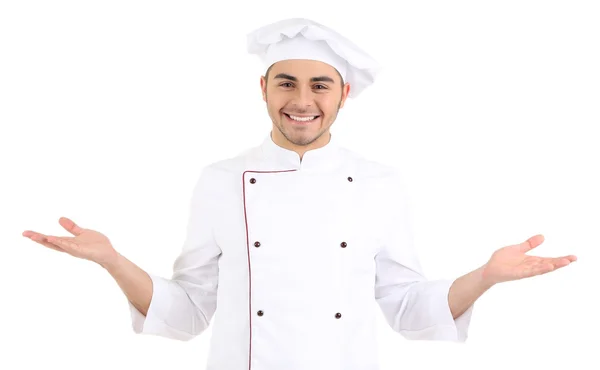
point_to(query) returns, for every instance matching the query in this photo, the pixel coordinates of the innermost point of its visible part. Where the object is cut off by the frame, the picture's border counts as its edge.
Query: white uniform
(295, 254)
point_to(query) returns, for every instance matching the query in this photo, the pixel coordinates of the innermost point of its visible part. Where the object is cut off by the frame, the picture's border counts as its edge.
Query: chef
(293, 245)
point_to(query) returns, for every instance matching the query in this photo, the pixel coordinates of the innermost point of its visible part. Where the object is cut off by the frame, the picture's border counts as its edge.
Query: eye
(323, 86)
(286, 83)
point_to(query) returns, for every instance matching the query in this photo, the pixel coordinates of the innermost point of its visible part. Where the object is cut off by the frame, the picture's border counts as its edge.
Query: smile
(301, 120)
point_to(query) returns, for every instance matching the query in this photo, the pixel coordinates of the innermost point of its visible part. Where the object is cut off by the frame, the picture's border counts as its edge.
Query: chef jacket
(297, 254)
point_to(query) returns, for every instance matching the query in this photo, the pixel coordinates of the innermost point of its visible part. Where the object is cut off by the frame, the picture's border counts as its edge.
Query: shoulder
(231, 166)
(386, 184)
(373, 170)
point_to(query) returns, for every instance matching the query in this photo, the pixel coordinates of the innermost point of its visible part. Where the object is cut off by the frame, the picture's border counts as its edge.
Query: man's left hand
(511, 262)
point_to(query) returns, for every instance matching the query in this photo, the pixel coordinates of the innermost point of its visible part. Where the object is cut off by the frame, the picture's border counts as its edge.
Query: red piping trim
(249, 270)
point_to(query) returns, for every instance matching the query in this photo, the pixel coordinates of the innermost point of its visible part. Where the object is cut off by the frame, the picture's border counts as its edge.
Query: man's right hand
(86, 244)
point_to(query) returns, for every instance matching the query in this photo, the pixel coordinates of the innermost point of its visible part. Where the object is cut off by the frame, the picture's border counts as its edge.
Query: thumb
(70, 226)
(531, 243)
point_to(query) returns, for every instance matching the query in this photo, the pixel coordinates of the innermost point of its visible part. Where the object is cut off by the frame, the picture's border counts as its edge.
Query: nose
(303, 98)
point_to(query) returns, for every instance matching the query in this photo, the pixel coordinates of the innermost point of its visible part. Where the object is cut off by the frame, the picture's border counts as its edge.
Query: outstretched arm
(465, 290)
(506, 264)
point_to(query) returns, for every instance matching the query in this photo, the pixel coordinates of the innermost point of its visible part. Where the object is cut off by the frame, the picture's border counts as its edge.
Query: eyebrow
(314, 79)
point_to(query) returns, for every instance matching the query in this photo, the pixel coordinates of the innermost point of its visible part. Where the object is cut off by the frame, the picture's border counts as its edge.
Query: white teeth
(302, 119)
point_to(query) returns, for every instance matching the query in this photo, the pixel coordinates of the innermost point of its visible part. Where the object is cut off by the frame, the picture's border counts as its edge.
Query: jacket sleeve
(182, 306)
(415, 307)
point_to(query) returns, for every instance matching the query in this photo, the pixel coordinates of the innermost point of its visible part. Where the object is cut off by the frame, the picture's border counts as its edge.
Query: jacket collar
(325, 158)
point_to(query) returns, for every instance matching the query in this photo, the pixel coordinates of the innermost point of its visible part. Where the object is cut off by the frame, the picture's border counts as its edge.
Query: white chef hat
(299, 38)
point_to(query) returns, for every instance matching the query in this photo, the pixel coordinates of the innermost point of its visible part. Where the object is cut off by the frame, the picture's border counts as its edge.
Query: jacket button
(350, 179)
(338, 315)
(257, 244)
(252, 180)
(343, 245)
(260, 313)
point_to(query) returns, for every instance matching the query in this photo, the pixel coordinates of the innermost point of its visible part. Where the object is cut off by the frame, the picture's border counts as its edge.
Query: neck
(283, 142)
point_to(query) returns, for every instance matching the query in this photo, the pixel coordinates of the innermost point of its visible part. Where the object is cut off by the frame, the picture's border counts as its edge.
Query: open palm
(87, 244)
(511, 262)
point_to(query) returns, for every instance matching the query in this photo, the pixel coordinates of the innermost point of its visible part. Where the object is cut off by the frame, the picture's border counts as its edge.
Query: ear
(263, 87)
(345, 92)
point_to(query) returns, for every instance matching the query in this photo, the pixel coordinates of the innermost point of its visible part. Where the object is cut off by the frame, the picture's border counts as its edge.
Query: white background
(108, 111)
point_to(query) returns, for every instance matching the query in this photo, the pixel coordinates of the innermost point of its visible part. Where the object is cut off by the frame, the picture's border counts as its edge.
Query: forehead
(304, 69)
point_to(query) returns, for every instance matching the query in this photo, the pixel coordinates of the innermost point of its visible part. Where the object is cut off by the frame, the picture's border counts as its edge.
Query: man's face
(303, 89)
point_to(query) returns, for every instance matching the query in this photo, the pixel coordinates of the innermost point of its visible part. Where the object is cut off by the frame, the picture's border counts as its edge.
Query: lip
(302, 123)
(301, 115)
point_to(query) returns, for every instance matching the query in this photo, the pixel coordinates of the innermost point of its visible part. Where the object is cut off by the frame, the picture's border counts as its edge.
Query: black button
(350, 179)
(257, 244)
(338, 315)
(343, 245)
(260, 313)
(252, 180)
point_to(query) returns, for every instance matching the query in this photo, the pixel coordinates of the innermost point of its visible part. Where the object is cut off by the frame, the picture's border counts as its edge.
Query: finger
(531, 243)
(41, 239)
(544, 265)
(538, 269)
(550, 264)
(561, 262)
(67, 244)
(555, 261)
(70, 226)
(40, 236)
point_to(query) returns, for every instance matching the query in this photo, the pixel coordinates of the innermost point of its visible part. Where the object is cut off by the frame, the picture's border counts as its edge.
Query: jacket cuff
(446, 327)
(460, 325)
(153, 322)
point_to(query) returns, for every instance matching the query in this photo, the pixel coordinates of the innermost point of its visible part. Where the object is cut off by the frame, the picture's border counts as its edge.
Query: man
(296, 239)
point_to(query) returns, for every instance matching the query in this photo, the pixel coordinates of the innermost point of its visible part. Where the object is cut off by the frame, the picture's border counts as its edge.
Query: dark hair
(269, 69)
